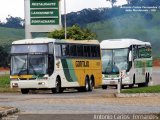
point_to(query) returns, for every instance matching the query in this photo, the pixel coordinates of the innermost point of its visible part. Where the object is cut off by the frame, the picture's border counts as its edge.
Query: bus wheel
(131, 86)
(104, 87)
(57, 88)
(24, 91)
(86, 88)
(91, 85)
(146, 80)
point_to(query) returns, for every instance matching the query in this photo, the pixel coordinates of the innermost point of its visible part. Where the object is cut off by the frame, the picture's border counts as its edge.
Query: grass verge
(150, 89)
(5, 84)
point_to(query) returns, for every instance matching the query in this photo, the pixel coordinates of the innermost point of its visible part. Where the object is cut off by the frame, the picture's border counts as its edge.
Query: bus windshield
(19, 65)
(29, 64)
(115, 60)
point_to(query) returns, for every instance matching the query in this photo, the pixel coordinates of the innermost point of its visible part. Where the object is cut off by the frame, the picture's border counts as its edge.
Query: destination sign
(44, 21)
(45, 13)
(44, 3)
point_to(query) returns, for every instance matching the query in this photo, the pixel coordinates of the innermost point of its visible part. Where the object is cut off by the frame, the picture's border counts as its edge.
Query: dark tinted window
(73, 50)
(87, 51)
(79, 50)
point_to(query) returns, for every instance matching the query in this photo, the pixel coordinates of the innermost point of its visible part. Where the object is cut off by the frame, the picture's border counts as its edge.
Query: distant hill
(107, 23)
(7, 35)
(134, 25)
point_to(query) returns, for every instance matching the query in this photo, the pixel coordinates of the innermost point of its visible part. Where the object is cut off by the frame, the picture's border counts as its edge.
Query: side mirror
(130, 56)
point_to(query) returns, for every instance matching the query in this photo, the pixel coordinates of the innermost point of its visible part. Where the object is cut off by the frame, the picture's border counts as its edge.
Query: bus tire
(104, 87)
(91, 83)
(86, 89)
(24, 91)
(57, 88)
(146, 80)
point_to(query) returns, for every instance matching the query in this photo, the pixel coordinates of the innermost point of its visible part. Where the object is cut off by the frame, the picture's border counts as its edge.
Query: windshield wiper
(32, 68)
(22, 70)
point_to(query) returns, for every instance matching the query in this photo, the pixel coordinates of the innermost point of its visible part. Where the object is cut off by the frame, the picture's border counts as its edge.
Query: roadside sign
(42, 16)
(44, 21)
(44, 12)
(44, 4)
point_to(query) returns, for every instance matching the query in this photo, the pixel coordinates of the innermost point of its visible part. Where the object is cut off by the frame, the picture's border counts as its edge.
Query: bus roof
(48, 40)
(121, 43)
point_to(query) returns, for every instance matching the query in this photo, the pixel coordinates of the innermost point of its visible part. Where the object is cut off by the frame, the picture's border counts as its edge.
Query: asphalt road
(97, 102)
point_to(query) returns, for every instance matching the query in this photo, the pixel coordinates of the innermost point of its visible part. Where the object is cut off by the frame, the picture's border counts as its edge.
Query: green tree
(14, 22)
(4, 61)
(74, 32)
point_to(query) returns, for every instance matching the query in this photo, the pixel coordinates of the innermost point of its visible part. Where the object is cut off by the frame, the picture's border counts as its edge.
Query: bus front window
(114, 60)
(19, 65)
(120, 58)
(37, 64)
(106, 61)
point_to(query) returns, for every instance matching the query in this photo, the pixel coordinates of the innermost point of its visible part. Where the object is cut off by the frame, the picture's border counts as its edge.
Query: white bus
(45, 63)
(127, 58)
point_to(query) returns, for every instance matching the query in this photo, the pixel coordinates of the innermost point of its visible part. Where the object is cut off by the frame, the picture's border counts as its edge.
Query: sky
(15, 8)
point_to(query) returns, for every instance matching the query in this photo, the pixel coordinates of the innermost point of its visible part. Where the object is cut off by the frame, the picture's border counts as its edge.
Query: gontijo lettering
(82, 63)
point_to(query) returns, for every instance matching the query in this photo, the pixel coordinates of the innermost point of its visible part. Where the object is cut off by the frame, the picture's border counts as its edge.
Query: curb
(8, 111)
(123, 95)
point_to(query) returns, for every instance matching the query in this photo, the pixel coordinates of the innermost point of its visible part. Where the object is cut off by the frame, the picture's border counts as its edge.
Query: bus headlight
(122, 73)
(14, 84)
(103, 76)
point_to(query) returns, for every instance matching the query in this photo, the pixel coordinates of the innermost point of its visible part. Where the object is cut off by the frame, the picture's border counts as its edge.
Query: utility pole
(65, 22)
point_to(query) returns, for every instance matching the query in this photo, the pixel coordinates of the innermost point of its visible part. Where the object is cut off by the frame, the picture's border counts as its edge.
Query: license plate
(112, 82)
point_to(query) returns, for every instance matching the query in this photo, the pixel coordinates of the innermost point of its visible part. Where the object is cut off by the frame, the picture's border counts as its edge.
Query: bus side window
(73, 50)
(79, 50)
(58, 50)
(65, 50)
(97, 51)
(93, 51)
(144, 52)
(50, 64)
(50, 48)
(149, 51)
(134, 52)
(86, 51)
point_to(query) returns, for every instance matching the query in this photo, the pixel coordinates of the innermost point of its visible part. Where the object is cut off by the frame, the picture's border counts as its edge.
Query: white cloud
(77, 5)
(11, 7)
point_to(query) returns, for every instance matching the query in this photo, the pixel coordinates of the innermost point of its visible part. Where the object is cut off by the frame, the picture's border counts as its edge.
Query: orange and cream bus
(45, 63)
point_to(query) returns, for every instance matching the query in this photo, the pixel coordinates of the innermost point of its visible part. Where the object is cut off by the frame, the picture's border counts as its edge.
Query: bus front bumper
(114, 81)
(35, 84)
